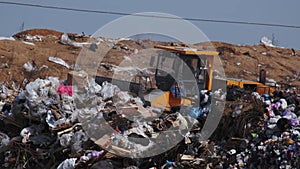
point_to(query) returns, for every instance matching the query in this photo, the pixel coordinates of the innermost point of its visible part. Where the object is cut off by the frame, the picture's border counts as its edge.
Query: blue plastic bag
(195, 112)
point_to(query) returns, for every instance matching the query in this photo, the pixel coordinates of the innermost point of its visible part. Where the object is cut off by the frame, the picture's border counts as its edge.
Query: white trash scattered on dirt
(59, 61)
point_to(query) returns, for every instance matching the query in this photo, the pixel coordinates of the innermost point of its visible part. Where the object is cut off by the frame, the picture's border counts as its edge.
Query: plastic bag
(109, 90)
(94, 87)
(124, 97)
(59, 61)
(68, 90)
(50, 119)
(195, 112)
(4, 140)
(28, 66)
(67, 164)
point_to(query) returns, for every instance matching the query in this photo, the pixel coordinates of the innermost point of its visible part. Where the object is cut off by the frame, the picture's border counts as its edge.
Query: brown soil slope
(238, 61)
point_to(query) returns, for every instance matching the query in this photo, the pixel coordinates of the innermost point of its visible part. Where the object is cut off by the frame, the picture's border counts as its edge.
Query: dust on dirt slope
(238, 61)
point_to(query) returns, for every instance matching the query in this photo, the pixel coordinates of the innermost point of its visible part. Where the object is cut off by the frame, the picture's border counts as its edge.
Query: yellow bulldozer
(200, 63)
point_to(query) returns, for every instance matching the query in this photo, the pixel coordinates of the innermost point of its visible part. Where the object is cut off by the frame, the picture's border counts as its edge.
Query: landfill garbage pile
(43, 126)
(266, 136)
(52, 125)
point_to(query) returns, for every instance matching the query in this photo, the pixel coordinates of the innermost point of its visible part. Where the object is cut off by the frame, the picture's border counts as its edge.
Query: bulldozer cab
(187, 66)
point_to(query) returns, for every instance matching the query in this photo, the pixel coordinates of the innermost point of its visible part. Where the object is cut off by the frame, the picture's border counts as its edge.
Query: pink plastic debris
(68, 90)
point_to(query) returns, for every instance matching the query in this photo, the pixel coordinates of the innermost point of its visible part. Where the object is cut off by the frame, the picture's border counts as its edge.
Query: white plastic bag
(109, 90)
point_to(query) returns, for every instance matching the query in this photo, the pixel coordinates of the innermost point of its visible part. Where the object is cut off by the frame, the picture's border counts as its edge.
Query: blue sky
(275, 11)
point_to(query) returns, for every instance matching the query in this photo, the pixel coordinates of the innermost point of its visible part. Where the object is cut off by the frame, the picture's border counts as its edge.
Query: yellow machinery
(191, 67)
(251, 85)
(201, 64)
(185, 63)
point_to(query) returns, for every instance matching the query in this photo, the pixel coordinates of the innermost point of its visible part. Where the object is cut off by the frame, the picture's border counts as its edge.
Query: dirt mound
(245, 62)
(41, 32)
(239, 61)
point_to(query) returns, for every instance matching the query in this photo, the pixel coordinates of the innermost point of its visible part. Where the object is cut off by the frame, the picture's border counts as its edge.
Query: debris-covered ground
(46, 122)
(40, 128)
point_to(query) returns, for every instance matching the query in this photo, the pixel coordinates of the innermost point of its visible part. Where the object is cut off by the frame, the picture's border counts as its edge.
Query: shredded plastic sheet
(7, 38)
(34, 38)
(59, 61)
(94, 87)
(50, 119)
(4, 139)
(267, 42)
(109, 90)
(66, 40)
(28, 43)
(131, 69)
(37, 93)
(28, 66)
(67, 164)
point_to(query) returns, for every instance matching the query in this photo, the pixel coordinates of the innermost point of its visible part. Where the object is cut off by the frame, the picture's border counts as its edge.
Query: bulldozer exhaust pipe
(262, 76)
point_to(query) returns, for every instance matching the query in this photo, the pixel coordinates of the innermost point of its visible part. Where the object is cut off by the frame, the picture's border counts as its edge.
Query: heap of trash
(51, 123)
(265, 136)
